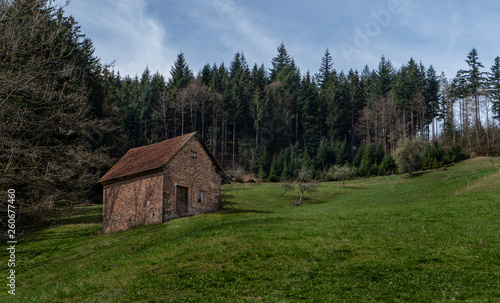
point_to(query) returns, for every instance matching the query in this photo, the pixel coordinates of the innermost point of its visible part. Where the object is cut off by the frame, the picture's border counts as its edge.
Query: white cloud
(236, 28)
(123, 32)
(136, 33)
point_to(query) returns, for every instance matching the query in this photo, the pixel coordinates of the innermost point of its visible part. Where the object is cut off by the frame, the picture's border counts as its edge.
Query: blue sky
(136, 33)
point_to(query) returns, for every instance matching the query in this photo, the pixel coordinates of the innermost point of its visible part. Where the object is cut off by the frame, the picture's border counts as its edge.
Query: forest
(66, 117)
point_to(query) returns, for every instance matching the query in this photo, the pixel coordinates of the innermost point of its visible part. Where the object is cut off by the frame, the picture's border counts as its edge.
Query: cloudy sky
(138, 33)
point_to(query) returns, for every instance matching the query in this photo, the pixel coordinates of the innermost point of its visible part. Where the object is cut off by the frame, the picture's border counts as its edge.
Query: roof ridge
(145, 158)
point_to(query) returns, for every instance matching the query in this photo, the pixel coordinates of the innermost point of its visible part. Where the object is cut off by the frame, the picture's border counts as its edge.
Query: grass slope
(431, 237)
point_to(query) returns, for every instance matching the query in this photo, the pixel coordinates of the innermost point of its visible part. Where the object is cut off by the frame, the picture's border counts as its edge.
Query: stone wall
(133, 202)
(198, 174)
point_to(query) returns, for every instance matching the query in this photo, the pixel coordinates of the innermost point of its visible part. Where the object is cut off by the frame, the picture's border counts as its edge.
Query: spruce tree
(367, 161)
(494, 86)
(407, 87)
(309, 111)
(206, 74)
(279, 62)
(321, 159)
(356, 100)
(338, 112)
(383, 78)
(48, 73)
(473, 81)
(238, 104)
(325, 70)
(431, 96)
(180, 73)
(273, 176)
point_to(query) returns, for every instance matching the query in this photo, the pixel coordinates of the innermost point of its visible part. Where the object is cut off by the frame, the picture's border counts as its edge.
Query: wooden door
(181, 200)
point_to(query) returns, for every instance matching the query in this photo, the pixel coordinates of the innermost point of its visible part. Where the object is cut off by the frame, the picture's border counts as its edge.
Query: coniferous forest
(66, 117)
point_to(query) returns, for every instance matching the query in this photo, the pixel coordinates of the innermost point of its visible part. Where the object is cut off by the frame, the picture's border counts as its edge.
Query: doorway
(181, 201)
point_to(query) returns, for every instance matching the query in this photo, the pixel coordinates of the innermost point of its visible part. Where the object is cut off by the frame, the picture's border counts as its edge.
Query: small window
(193, 154)
(201, 197)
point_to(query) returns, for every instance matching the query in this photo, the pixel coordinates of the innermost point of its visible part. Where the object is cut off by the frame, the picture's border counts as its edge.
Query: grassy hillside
(434, 236)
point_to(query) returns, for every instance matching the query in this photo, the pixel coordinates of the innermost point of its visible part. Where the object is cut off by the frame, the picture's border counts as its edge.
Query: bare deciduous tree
(305, 183)
(342, 173)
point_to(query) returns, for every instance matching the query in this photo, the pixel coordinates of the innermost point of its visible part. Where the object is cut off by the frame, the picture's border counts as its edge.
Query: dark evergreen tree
(341, 152)
(367, 161)
(494, 86)
(273, 175)
(238, 104)
(309, 111)
(206, 74)
(279, 62)
(446, 109)
(325, 70)
(432, 96)
(180, 74)
(383, 79)
(407, 91)
(338, 109)
(321, 158)
(472, 82)
(259, 77)
(144, 105)
(357, 101)
(388, 166)
(379, 154)
(50, 146)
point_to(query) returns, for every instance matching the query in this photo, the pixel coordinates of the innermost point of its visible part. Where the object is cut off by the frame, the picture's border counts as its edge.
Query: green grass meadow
(430, 237)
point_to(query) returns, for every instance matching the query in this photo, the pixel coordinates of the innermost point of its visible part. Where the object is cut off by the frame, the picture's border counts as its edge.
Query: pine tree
(446, 109)
(144, 104)
(238, 103)
(273, 176)
(206, 74)
(379, 154)
(305, 159)
(338, 110)
(321, 159)
(325, 70)
(280, 62)
(356, 100)
(383, 78)
(180, 73)
(388, 166)
(367, 161)
(494, 86)
(431, 96)
(407, 88)
(473, 81)
(309, 111)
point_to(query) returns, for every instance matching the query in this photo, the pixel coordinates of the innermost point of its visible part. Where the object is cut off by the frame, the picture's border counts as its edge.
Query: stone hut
(153, 183)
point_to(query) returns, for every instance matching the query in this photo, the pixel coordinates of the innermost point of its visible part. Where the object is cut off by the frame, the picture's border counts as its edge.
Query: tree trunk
(256, 140)
(182, 123)
(234, 140)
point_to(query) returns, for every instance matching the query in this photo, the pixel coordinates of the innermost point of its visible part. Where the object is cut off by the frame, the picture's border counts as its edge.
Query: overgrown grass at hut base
(430, 237)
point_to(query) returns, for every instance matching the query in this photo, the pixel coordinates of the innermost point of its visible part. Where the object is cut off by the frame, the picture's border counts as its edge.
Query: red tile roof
(146, 158)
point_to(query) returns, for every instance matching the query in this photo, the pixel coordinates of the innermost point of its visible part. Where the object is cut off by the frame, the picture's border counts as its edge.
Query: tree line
(66, 117)
(259, 118)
